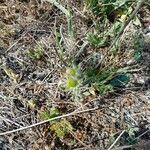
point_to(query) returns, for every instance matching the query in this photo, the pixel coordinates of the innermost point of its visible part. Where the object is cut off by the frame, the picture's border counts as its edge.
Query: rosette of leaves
(59, 127)
(36, 53)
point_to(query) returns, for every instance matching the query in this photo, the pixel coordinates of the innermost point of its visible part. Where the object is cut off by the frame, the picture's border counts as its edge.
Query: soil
(26, 24)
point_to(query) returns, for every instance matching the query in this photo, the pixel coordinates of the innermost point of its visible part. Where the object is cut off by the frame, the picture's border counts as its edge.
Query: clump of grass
(96, 41)
(105, 80)
(107, 7)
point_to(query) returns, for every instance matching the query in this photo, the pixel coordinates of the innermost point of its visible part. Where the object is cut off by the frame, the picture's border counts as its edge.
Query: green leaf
(61, 128)
(72, 77)
(71, 82)
(36, 53)
(105, 88)
(53, 112)
(120, 80)
(96, 41)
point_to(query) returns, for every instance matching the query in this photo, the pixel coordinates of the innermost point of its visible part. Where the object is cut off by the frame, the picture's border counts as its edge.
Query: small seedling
(53, 112)
(61, 128)
(96, 41)
(36, 53)
(31, 104)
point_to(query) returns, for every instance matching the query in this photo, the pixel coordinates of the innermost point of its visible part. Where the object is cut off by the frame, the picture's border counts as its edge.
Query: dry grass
(32, 84)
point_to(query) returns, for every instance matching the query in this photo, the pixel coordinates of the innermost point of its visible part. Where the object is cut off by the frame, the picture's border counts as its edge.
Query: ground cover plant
(74, 74)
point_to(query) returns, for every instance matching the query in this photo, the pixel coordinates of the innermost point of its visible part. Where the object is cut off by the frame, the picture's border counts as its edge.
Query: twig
(139, 5)
(48, 120)
(116, 140)
(141, 135)
(132, 146)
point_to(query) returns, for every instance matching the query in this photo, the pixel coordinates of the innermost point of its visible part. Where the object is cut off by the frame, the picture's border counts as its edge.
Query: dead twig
(48, 120)
(116, 140)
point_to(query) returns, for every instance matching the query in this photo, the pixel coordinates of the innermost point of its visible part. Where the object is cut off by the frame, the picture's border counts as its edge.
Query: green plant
(59, 40)
(128, 138)
(103, 80)
(51, 113)
(102, 38)
(96, 40)
(59, 127)
(108, 19)
(72, 79)
(91, 3)
(106, 79)
(93, 6)
(131, 138)
(108, 7)
(36, 53)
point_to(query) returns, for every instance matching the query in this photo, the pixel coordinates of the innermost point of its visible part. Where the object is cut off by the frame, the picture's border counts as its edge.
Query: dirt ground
(28, 86)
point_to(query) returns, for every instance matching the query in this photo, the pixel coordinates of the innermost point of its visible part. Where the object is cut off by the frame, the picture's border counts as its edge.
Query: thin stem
(48, 120)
